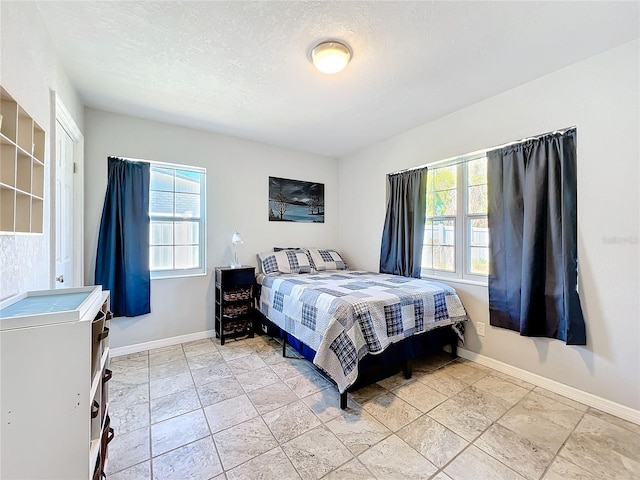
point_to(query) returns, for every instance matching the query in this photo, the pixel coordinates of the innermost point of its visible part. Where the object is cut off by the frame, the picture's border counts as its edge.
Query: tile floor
(241, 411)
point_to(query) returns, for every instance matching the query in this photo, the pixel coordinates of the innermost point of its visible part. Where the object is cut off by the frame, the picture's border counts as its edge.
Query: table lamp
(236, 240)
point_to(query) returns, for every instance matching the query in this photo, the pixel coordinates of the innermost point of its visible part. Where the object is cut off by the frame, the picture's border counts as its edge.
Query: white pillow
(285, 261)
(326, 259)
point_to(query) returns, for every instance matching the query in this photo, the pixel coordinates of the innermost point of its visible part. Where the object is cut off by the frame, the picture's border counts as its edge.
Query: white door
(64, 208)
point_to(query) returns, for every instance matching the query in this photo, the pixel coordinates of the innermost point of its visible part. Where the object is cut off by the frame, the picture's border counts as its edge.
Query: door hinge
(75, 167)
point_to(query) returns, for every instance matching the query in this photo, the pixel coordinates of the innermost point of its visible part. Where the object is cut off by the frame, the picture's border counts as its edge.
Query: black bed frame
(373, 368)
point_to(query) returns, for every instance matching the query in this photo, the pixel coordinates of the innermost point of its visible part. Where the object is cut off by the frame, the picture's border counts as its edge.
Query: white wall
(601, 97)
(29, 68)
(237, 199)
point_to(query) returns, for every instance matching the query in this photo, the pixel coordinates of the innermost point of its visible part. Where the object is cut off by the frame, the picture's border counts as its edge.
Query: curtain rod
(469, 157)
(166, 164)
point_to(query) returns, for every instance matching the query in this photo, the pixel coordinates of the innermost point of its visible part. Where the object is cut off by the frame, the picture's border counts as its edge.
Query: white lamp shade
(236, 239)
(331, 57)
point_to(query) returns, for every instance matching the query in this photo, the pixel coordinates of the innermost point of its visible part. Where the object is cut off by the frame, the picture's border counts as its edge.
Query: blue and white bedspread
(347, 314)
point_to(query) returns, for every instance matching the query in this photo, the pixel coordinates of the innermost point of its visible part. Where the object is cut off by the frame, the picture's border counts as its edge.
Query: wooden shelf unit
(22, 169)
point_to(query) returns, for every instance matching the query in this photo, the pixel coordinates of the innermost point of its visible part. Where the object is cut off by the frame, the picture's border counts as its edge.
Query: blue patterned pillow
(299, 249)
(326, 259)
(285, 261)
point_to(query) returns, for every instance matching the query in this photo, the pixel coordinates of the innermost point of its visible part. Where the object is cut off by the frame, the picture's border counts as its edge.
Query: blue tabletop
(55, 302)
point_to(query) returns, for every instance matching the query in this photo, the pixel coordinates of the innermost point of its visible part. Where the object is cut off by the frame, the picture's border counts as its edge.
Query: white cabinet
(53, 398)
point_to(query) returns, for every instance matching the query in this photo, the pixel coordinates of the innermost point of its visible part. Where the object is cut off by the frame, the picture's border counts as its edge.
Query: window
(177, 213)
(456, 234)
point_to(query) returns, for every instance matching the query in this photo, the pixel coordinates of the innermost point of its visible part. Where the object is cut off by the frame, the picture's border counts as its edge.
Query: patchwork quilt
(344, 315)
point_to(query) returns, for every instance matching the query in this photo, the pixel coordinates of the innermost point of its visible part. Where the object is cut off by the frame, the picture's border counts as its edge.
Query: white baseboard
(164, 342)
(581, 396)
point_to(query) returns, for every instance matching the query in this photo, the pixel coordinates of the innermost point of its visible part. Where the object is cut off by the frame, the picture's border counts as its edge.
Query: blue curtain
(403, 234)
(533, 282)
(122, 260)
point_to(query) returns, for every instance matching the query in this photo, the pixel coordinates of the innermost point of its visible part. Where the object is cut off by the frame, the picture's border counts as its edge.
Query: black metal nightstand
(234, 302)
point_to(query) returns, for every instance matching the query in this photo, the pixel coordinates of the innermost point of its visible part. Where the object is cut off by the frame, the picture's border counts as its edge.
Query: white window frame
(462, 257)
(181, 272)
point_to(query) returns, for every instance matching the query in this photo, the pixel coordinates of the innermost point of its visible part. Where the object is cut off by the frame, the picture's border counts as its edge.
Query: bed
(342, 319)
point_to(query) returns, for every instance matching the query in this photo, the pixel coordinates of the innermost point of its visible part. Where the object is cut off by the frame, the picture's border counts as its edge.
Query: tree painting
(280, 202)
(295, 201)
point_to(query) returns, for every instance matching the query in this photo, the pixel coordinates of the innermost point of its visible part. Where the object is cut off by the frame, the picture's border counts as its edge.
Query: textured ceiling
(242, 68)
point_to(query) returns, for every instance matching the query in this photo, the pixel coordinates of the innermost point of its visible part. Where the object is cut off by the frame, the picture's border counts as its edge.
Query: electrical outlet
(480, 329)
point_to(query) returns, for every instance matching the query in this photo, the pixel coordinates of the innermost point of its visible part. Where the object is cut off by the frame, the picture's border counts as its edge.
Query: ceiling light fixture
(331, 57)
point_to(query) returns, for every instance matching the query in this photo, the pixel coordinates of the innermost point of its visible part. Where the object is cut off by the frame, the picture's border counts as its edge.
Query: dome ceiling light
(331, 57)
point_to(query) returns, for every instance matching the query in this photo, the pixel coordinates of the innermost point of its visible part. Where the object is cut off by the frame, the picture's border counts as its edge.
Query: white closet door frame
(60, 114)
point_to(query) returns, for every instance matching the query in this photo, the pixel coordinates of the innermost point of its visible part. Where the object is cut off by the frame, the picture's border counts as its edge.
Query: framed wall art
(295, 201)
